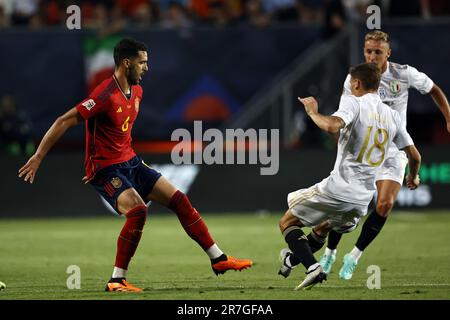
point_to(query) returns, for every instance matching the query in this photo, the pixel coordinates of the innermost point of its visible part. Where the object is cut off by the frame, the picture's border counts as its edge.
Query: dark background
(232, 55)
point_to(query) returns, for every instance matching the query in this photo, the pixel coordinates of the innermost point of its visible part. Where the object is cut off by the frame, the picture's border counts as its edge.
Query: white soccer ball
(2, 286)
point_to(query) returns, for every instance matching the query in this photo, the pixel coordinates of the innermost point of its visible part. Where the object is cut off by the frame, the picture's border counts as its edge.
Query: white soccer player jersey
(394, 85)
(370, 129)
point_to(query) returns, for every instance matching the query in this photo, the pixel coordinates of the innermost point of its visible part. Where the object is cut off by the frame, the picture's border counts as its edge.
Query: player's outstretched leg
(370, 229)
(196, 228)
(349, 264)
(329, 256)
(290, 226)
(166, 194)
(285, 263)
(316, 239)
(298, 243)
(387, 193)
(314, 275)
(327, 260)
(127, 244)
(287, 260)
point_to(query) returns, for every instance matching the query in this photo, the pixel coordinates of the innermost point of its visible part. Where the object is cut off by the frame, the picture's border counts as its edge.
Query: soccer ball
(2, 286)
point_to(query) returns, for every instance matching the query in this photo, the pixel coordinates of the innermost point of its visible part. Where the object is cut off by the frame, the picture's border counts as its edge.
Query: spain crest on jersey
(394, 86)
(116, 182)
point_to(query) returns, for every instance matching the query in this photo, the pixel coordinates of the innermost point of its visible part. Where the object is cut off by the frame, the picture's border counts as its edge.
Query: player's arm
(414, 160)
(404, 142)
(346, 91)
(422, 83)
(441, 101)
(329, 124)
(56, 131)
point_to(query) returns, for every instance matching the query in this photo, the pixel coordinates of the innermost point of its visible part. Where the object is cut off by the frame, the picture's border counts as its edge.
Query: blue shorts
(111, 181)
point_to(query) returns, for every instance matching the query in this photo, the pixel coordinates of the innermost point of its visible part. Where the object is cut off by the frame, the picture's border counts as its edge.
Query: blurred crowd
(108, 16)
(16, 128)
(182, 13)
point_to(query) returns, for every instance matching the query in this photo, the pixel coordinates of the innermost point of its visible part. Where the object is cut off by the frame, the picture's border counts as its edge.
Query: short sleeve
(348, 109)
(94, 104)
(347, 90)
(402, 139)
(419, 80)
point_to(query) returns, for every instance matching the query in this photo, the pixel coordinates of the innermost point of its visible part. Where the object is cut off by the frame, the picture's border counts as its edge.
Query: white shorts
(393, 167)
(313, 207)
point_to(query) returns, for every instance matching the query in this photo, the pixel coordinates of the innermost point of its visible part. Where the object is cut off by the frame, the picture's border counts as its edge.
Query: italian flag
(99, 60)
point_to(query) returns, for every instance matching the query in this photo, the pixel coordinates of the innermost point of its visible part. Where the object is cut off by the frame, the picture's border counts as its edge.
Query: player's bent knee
(384, 207)
(323, 228)
(129, 200)
(281, 225)
(288, 220)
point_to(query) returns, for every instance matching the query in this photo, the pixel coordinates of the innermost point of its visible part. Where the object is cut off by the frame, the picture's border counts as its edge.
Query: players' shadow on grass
(207, 288)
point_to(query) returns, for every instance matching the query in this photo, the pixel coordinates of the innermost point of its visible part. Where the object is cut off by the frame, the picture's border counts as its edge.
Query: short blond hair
(378, 35)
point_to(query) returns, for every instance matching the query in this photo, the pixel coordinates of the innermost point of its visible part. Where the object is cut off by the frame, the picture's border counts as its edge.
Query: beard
(132, 77)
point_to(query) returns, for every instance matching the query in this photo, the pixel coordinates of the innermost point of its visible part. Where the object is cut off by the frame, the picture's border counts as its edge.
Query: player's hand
(412, 183)
(310, 104)
(448, 127)
(85, 180)
(28, 171)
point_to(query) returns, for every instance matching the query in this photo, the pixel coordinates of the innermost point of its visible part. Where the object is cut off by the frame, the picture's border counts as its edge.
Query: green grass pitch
(412, 253)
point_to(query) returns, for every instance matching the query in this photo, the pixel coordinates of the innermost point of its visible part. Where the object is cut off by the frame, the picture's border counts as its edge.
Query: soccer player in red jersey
(117, 173)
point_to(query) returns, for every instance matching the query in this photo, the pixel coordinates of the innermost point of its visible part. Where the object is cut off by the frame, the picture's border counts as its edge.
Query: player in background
(395, 82)
(367, 129)
(117, 173)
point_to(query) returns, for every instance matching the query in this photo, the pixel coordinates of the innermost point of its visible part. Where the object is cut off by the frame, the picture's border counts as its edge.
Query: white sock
(314, 266)
(119, 273)
(287, 262)
(329, 252)
(356, 253)
(214, 252)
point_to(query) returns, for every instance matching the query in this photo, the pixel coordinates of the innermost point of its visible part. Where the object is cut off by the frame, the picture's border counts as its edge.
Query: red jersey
(109, 116)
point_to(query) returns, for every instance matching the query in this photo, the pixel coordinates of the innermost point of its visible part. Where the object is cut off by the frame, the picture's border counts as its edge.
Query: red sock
(191, 220)
(130, 235)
